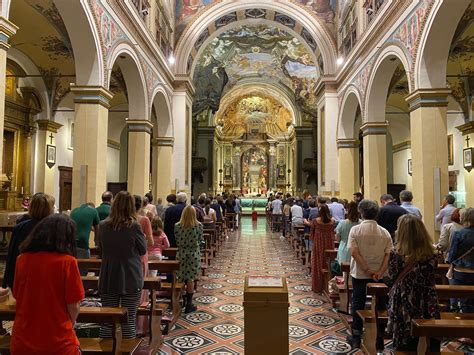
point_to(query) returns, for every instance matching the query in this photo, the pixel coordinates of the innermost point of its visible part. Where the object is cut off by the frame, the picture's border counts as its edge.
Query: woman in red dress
(322, 235)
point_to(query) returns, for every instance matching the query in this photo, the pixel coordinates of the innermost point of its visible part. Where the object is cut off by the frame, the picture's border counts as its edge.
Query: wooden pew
(378, 291)
(115, 316)
(154, 311)
(329, 255)
(440, 328)
(170, 253)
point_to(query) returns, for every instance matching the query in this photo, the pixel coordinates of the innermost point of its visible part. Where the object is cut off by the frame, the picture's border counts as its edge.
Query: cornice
(347, 143)
(48, 125)
(374, 128)
(149, 47)
(428, 98)
(92, 95)
(184, 83)
(7, 29)
(139, 126)
(162, 142)
(401, 146)
(467, 128)
(370, 40)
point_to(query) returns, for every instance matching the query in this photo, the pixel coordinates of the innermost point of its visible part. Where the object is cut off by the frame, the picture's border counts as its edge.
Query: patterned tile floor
(218, 325)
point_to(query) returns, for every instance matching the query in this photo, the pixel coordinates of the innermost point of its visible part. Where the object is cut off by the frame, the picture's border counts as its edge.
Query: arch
(236, 24)
(277, 91)
(161, 103)
(435, 43)
(314, 25)
(347, 115)
(88, 59)
(379, 82)
(127, 59)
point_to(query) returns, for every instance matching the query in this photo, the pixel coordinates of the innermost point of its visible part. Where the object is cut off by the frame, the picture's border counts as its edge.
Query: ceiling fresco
(460, 69)
(254, 52)
(186, 9)
(42, 36)
(254, 114)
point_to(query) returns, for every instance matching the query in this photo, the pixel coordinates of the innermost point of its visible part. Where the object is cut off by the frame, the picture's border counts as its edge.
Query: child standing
(160, 240)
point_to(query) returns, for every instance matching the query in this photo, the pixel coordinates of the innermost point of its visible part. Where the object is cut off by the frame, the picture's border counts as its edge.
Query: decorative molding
(48, 125)
(163, 141)
(467, 128)
(139, 126)
(113, 144)
(401, 146)
(97, 95)
(347, 143)
(374, 128)
(184, 83)
(428, 98)
(7, 29)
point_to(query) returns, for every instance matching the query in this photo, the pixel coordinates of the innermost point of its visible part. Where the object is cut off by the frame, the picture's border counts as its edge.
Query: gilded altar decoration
(254, 116)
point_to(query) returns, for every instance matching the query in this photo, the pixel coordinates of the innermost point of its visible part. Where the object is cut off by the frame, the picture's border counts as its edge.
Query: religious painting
(450, 150)
(184, 11)
(254, 171)
(50, 155)
(467, 158)
(70, 143)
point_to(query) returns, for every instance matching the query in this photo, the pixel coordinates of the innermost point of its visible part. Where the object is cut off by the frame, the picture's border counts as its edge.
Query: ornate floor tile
(188, 342)
(225, 330)
(231, 308)
(330, 344)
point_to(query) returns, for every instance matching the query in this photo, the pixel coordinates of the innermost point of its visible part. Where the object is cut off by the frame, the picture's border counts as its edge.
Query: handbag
(450, 273)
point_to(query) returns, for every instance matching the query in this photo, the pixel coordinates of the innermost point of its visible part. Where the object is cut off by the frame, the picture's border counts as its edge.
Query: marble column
(162, 166)
(7, 29)
(348, 151)
(271, 165)
(429, 149)
(139, 132)
(237, 167)
(45, 176)
(89, 174)
(375, 159)
(467, 131)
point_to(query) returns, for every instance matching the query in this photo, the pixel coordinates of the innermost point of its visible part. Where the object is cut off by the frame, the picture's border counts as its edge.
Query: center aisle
(217, 326)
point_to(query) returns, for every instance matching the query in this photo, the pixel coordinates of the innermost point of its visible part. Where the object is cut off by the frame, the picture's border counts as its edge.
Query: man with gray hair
(370, 246)
(405, 198)
(446, 210)
(172, 216)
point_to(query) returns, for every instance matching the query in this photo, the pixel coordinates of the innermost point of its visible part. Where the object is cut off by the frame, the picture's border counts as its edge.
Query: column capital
(7, 29)
(428, 98)
(139, 126)
(374, 128)
(347, 143)
(467, 128)
(97, 95)
(184, 83)
(48, 125)
(163, 141)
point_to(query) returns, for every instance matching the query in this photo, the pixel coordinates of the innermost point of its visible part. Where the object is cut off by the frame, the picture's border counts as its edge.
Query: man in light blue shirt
(337, 210)
(447, 208)
(405, 198)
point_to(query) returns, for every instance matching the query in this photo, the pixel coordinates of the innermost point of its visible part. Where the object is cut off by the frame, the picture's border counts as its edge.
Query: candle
(22, 190)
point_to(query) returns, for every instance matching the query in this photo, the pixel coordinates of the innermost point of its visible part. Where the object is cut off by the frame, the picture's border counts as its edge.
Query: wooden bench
(230, 220)
(115, 316)
(379, 291)
(170, 253)
(440, 328)
(153, 312)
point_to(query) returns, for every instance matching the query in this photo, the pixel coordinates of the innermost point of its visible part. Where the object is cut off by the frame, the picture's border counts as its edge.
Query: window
(163, 30)
(348, 31)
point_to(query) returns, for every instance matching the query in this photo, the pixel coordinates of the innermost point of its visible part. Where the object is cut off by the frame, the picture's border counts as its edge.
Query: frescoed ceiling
(257, 52)
(186, 9)
(460, 70)
(42, 36)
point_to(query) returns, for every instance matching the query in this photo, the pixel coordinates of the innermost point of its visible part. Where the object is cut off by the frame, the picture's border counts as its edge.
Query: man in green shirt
(86, 218)
(104, 209)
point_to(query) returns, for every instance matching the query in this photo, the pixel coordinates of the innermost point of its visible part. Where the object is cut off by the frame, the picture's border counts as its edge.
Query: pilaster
(90, 156)
(139, 132)
(348, 151)
(375, 159)
(162, 166)
(429, 149)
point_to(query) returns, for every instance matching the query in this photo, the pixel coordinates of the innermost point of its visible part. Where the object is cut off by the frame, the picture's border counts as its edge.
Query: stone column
(139, 132)
(348, 150)
(237, 169)
(429, 149)
(28, 159)
(375, 159)
(162, 166)
(89, 175)
(7, 29)
(44, 181)
(182, 127)
(271, 165)
(467, 131)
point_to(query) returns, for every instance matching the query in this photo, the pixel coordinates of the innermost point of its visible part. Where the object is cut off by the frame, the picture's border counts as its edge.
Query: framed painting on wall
(410, 167)
(50, 155)
(467, 158)
(450, 150)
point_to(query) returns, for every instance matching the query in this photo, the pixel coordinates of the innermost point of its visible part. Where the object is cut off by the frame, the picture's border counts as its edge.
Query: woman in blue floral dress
(413, 295)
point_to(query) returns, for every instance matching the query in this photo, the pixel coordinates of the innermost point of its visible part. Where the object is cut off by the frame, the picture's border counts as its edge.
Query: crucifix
(467, 141)
(51, 137)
